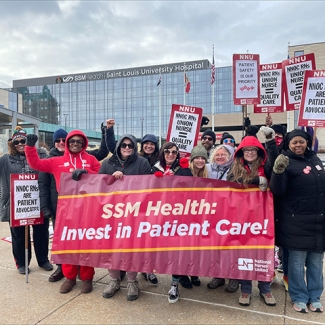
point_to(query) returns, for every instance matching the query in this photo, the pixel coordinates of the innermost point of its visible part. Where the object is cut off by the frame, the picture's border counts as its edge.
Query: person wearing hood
(47, 187)
(208, 141)
(299, 179)
(221, 160)
(247, 169)
(77, 161)
(149, 148)
(15, 162)
(125, 161)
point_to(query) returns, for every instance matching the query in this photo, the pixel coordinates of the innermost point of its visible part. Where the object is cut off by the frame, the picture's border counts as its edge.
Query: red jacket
(66, 163)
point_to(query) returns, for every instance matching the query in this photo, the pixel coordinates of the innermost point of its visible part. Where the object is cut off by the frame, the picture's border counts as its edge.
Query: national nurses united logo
(245, 264)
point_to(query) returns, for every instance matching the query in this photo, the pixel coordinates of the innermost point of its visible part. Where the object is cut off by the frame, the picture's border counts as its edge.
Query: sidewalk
(39, 301)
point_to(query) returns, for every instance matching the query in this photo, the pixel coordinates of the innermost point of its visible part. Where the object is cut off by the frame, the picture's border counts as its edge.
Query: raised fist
(280, 164)
(31, 139)
(110, 123)
(267, 132)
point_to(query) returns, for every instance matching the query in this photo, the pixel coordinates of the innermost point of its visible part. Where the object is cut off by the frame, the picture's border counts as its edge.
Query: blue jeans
(299, 290)
(246, 286)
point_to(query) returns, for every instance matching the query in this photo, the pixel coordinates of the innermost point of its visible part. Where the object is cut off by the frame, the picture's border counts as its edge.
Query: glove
(31, 139)
(47, 212)
(252, 130)
(268, 133)
(280, 164)
(76, 174)
(263, 183)
(103, 128)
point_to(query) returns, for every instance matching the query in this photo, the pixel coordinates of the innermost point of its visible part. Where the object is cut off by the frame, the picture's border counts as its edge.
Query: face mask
(278, 140)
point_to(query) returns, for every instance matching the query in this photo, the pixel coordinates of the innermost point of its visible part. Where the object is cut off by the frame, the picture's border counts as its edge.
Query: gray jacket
(12, 164)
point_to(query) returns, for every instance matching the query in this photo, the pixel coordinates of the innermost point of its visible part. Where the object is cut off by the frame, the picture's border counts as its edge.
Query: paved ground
(39, 301)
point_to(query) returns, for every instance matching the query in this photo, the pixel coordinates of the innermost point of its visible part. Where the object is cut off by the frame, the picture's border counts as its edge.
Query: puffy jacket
(66, 163)
(301, 223)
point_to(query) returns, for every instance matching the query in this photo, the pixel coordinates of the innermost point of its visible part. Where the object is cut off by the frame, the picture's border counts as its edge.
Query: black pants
(41, 243)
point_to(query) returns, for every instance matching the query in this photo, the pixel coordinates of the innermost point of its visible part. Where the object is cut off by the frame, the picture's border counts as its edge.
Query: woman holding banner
(299, 177)
(15, 163)
(247, 169)
(125, 161)
(221, 161)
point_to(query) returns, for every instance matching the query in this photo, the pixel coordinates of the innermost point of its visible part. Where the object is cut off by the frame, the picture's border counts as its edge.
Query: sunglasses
(168, 152)
(207, 138)
(229, 141)
(16, 142)
(79, 142)
(129, 145)
(59, 140)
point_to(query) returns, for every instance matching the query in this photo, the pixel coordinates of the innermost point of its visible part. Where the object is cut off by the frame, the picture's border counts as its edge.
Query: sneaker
(67, 285)
(215, 283)
(280, 268)
(186, 282)
(316, 307)
(87, 286)
(300, 307)
(22, 270)
(195, 281)
(133, 290)
(245, 299)
(173, 295)
(57, 275)
(150, 277)
(113, 286)
(232, 285)
(268, 299)
(285, 282)
(47, 266)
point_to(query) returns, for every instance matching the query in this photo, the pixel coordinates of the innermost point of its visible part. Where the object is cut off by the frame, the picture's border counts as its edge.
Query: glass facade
(130, 96)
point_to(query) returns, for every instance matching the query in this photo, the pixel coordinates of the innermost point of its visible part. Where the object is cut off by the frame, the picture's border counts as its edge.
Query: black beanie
(297, 133)
(226, 135)
(211, 134)
(278, 129)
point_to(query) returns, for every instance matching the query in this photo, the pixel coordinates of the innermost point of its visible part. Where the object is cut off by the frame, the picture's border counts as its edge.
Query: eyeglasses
(223, 155)
(59, 140)
(16, 142)
(168, 152)
(207, 138)
(229, 141)
(250, 150)
(79, 142)
(129, 145)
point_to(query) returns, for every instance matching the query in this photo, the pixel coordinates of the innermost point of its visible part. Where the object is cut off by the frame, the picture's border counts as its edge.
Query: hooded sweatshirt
(66, 163)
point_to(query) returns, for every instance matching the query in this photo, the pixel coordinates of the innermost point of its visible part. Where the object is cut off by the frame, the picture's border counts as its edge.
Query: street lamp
(117, 131)
(142, 119)
(65, 120)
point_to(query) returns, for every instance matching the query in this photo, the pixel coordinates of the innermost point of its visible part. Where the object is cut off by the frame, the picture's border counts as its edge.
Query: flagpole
(159, 123)
(212, 90)
(184, 86)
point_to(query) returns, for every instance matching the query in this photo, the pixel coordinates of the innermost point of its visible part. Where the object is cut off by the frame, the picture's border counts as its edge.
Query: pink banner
(169, 225)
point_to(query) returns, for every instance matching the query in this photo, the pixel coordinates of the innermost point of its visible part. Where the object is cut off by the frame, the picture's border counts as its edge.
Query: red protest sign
(184, 127)
(24, 200)
(271, 89)
(312, 109)
(293, 71)
(172, 225)
(246, 79)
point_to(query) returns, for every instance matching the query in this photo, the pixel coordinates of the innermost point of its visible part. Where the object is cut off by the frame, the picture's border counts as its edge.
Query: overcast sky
(45, 38)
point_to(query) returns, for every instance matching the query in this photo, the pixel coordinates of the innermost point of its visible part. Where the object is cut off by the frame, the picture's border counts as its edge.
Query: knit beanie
(211, 134)
(226, 135)
(59, 134)
(278, 129)
(18, 133)
(199, 151)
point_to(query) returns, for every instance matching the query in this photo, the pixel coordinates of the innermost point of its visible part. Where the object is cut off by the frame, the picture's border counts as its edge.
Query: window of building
(299, 53)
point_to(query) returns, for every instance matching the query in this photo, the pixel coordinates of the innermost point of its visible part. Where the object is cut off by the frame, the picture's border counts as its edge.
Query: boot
(57, 275)
(87, 286)
(67, 285)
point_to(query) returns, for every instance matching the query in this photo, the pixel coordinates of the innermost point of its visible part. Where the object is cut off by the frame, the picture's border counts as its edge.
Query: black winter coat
(301, 223)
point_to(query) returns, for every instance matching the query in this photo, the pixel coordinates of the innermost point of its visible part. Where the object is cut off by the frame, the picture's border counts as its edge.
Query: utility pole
(142, 119)
(65, 120)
